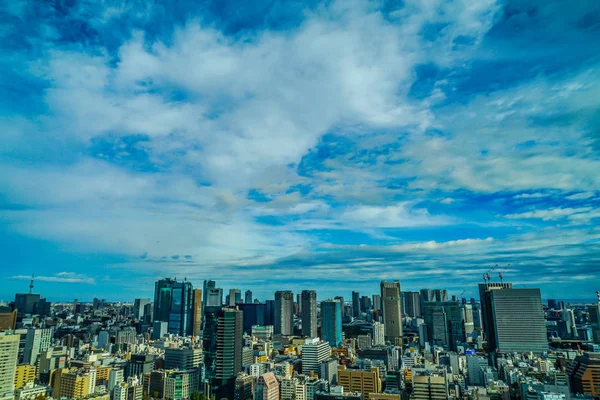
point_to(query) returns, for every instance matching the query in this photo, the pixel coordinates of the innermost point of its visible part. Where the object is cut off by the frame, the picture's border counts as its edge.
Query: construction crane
(598, 294)
(501, 273)
(488, 275)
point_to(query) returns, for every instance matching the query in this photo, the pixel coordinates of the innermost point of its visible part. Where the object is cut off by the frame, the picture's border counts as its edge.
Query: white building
(314, 351)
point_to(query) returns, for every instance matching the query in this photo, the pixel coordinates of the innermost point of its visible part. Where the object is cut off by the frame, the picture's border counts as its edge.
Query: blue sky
(299, 145)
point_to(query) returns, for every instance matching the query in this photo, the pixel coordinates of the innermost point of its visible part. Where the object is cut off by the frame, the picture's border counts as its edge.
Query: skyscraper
(356, 304)
(235, 297)
(412, 304)
(308, 300)
(197, 312)
(162, 299)
(181, 313)
(223, 348)
(248, 297)
(376, 302)
(314, 351)
(208, 285)
(517, 322)
(445, 324)
(36, 341)
(392, 311)
(139, 306)
(284, 312)
(484, 289)
(331, 324)
(9, 350)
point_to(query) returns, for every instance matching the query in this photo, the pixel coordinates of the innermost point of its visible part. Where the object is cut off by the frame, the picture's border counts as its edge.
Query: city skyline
(305, 146)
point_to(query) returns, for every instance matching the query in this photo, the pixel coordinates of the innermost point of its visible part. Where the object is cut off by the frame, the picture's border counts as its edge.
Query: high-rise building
(181, 314)
(376, 302)
(378, 334)
(9, 350)
(197, 312)
(329, 369)
(584, 374)
(331, 324)
(517, 322)
(284, 312)
(254, 314)
(392, 311)
(356, 304)
(162, 299)
(309, 313)
(37, 340)
(223, 348)
(235, 297)
(445, 324)
(412, 304)
(27, 303)
(484, 290)
(208, 285)
(159, 329)
(183, 358)
(181, 384)
(248, 297)
(314, 351)
(139, 308)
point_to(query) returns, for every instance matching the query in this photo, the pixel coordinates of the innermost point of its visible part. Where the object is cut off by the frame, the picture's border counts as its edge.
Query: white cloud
(61, 277)
(530, 196)
(551, 214)
(581, 196)
(396, 216)
(447, 200)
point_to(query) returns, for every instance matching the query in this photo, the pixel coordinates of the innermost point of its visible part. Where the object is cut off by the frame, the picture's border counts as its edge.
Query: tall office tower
(139, 307)
(299, 303)
(267, 387)
(553, 304)
(183, 358)
(356, 304)
(207, 285)
(244, 387)
(9, 350)
(308, 299)
(270, 312)
(392, 311)
(584, 374)
(412, 304)
(365, 303)
(162, 299)
(37, 340)
(181, 314)
(197, 312)
(467, 310)
(430, 385)
(331, 322)
(284, 312)
(248, 297)
(445, 324)
(378, 334)
(568, 317)
(484, 290)
(214, 298)
(254, 314)
(376, 302)
(314, 352)
(440, 294)
(365, 382)
(223, 348)
(517, 322)
(235, 296)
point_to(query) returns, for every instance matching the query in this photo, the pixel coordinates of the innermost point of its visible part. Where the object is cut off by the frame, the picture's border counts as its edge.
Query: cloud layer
(284, 145)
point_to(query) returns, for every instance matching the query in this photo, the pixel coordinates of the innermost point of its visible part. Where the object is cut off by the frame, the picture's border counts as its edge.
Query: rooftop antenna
(598, 294)
(31, 284)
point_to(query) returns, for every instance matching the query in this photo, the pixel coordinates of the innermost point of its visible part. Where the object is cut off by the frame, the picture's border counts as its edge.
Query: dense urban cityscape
(196, 343)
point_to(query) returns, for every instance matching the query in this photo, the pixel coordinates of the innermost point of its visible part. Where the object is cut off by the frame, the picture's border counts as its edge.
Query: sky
(274, 145)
